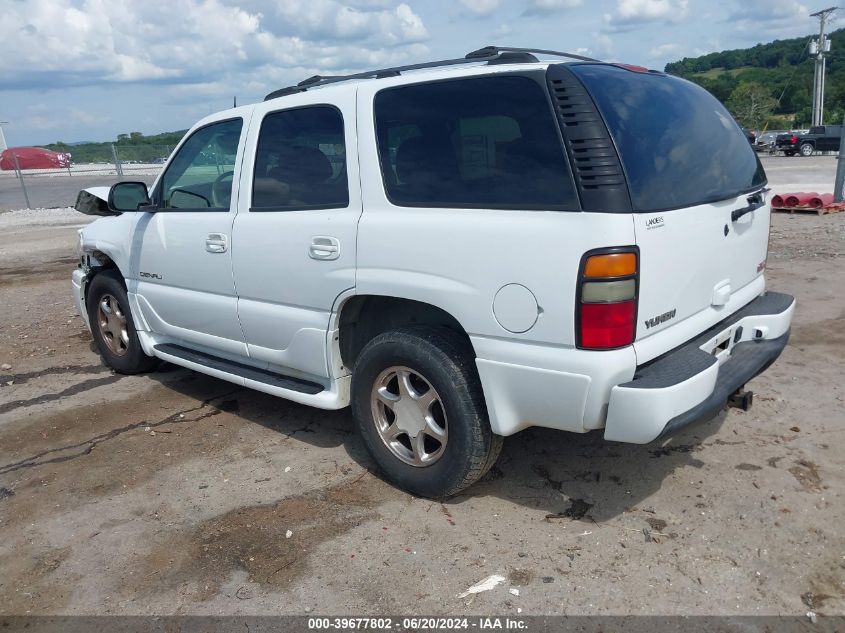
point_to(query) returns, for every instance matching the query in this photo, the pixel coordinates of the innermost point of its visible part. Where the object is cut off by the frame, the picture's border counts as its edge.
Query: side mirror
(128, 196)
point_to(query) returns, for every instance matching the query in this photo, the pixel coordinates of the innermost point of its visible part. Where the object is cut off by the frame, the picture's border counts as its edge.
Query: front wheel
(112, 326)
(807, 149)
(419, 407)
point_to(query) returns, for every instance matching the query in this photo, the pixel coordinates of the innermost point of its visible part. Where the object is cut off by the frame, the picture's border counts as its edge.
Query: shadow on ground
(552, 471)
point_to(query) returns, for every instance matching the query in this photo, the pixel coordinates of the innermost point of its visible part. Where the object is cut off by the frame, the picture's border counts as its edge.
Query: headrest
(302, 164)
(420, 157)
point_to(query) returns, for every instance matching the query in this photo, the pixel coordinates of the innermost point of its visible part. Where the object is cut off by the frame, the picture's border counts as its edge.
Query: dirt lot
(173, 493)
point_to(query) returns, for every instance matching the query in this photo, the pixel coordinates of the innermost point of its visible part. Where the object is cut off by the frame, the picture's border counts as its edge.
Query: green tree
(751, 103)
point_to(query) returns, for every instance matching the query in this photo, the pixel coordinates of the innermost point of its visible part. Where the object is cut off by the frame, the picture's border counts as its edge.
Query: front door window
(201, 173)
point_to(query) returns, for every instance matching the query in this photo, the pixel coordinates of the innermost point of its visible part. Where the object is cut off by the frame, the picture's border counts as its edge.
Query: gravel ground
(173, 493)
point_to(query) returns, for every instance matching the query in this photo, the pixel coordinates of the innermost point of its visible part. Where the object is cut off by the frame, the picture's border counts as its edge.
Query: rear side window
(679, 145)
(300, 162)
(486, 142)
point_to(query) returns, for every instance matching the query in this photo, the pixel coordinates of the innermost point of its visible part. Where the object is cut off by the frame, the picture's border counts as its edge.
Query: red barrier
(822, 201)
(801, 199)
(777, 202)
(33, 158)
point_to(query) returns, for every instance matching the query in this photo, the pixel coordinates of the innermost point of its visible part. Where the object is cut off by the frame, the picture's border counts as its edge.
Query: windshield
(679, 146)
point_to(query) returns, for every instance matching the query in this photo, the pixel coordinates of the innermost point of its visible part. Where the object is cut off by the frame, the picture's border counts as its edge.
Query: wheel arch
(97, 262)
(363, 317)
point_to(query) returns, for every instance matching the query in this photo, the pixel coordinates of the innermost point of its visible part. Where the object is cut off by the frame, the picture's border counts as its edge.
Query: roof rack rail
(489, 51)
(490, 54)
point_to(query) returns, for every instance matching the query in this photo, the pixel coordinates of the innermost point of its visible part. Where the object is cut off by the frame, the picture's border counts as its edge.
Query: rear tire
(113, 328)
(806, 149)
(418, 404)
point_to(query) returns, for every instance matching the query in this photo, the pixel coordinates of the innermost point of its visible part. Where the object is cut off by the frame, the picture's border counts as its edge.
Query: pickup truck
(821, 138)
(456, 250)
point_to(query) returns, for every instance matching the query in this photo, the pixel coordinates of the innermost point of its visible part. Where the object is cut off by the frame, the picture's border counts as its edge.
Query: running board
(239, 369)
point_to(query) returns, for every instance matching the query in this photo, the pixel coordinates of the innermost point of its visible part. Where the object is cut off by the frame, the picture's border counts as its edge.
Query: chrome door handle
(216, 243)
(324, 247)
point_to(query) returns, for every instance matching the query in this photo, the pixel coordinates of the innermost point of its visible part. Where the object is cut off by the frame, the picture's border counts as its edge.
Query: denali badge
(654, 223)
(650, 323)
(150, 275)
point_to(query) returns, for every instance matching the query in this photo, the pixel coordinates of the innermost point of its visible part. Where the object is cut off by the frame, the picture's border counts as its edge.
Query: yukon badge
(650, 323)
(654, 223)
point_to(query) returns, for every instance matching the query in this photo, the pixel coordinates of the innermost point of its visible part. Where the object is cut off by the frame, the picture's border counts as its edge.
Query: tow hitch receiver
(741, 399)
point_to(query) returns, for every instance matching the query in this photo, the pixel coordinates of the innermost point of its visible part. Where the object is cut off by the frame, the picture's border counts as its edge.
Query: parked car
(821, 138)
(766, 141)
(751, 135)
(457, 250)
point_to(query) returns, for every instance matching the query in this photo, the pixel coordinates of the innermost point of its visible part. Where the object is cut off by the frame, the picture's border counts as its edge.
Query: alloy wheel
(112, 323)
(409, 416)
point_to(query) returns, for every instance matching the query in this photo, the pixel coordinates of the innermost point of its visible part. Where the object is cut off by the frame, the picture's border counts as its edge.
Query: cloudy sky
(76, 70)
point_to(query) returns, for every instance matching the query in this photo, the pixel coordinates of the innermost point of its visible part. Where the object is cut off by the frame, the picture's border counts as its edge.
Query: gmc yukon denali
(458, 250)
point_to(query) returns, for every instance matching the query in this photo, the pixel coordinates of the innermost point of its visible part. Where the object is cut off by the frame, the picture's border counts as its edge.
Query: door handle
(216, 243)
(324, 247)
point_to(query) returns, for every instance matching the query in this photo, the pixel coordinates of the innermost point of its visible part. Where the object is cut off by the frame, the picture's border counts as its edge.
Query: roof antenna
(235, 101)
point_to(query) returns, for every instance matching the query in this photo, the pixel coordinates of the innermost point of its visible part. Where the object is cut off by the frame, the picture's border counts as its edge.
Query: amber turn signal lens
(612, 265)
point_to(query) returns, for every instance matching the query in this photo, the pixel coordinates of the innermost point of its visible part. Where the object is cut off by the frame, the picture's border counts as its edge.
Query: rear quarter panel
(458, 259)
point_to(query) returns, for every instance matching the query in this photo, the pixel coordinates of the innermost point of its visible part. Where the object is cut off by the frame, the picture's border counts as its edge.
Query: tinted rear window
(679, 145)
(300, 162)
(485, 142)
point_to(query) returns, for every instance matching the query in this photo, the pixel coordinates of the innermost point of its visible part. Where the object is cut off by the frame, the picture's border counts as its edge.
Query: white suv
(458, 250)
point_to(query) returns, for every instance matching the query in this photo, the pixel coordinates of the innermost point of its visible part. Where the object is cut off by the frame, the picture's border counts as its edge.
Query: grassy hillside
(133, 146)
(783, 70)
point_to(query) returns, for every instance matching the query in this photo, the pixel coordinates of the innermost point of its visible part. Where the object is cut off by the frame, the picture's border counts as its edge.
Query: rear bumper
(694, 381)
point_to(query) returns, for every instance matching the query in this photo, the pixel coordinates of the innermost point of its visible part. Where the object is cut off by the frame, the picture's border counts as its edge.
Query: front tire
(419, 407)
(807, 150)
(112, 326)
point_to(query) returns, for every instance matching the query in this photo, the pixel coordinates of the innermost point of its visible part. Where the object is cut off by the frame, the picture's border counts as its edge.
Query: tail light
(794, 139)
(608, 283)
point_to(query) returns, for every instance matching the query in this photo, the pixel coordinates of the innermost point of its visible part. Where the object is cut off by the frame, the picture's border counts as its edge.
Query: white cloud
(772, 19)
(602, 47)
(543, 7)
(82, 42)
(332, 19)
(769, 10)
(55, 116)
(632, 13)
(663, 51)
(370, 4)
(480, 7)
(502, 30)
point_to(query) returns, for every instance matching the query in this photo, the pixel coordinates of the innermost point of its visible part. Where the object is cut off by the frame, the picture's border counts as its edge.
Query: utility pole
(3, 136)
(819, 48)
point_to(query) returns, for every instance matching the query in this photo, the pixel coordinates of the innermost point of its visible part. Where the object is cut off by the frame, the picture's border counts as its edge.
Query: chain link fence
(101, 165)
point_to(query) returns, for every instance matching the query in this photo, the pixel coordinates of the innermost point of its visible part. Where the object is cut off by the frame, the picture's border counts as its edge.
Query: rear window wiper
(754, 202)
